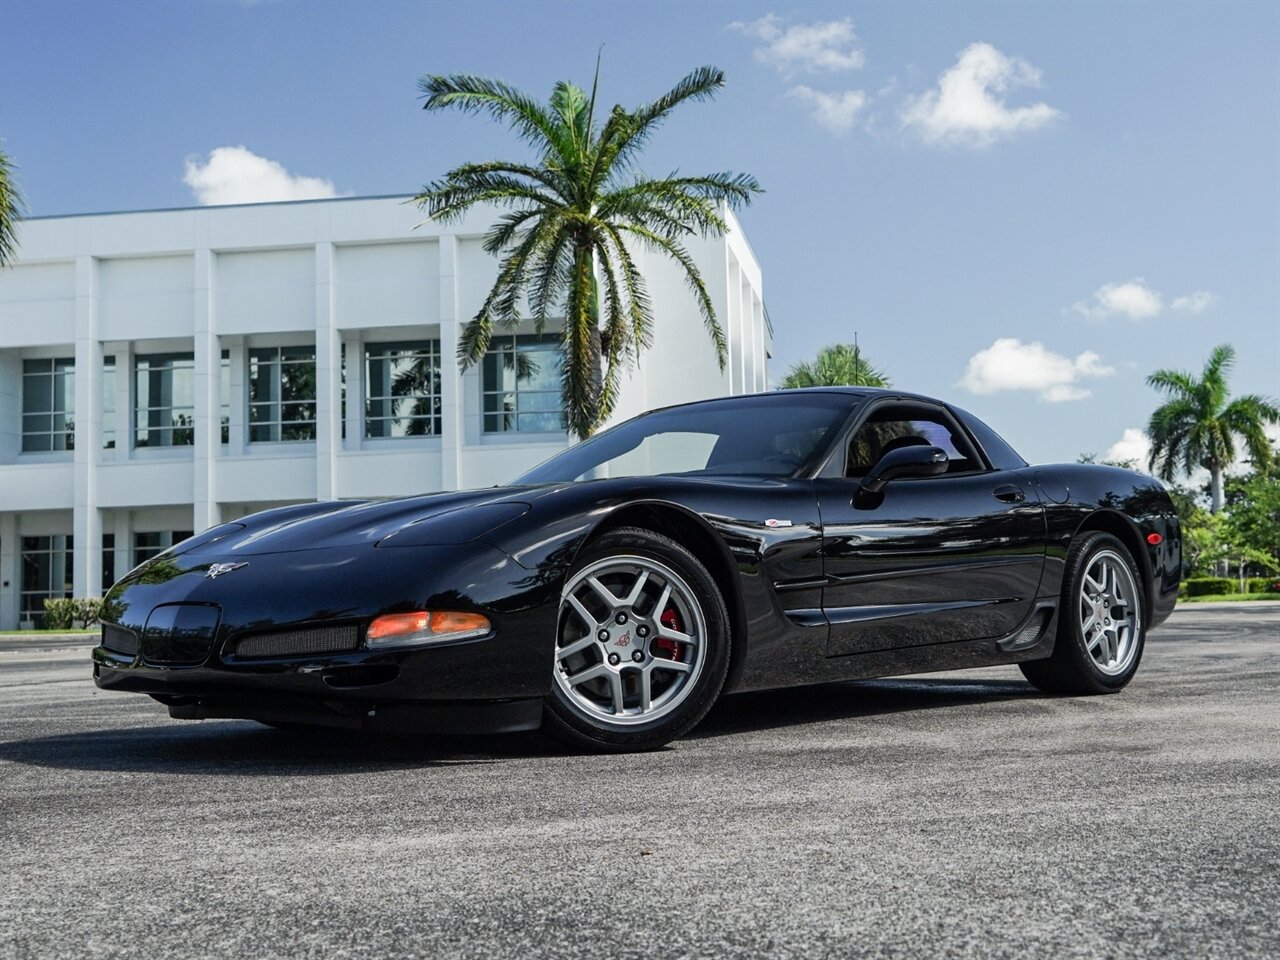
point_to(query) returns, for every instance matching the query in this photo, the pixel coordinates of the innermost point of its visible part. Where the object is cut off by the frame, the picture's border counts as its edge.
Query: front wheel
(1101, 629)
(642, 645)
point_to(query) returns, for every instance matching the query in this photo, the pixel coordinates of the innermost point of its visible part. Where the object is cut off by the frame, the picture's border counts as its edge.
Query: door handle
(1009, 493)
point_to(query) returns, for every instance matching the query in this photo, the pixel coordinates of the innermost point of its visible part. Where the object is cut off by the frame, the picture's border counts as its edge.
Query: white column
(237, 434)
(328, 378)
(123, 528)
(87, 522)
(10, 582)
(208, 378)
(452, 420)
(124, 400)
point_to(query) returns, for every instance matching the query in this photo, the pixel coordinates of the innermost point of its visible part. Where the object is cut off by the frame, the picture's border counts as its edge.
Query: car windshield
(766, 435)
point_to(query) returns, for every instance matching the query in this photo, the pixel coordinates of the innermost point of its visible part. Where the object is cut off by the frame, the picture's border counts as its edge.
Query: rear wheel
(642, 645)
(1101, 629)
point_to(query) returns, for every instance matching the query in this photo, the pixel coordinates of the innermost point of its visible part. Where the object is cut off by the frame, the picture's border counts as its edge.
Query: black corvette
(612, 594)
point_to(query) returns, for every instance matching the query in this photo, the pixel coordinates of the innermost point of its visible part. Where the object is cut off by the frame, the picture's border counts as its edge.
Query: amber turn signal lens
(399, 625)
(445, 622)
(425, 626)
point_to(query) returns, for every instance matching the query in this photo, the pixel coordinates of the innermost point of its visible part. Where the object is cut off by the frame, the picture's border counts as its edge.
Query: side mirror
(918, 461)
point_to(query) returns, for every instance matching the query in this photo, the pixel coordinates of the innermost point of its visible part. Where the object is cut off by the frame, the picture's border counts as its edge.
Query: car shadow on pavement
(244, 748)
(848, 700)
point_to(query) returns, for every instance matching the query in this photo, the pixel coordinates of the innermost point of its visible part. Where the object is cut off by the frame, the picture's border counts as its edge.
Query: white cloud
(827, 46)
(968, 106)
(834, 111)
(1133, 446)
(1193, 302)
(1010, 364)
(1132, 299)
(238, 175)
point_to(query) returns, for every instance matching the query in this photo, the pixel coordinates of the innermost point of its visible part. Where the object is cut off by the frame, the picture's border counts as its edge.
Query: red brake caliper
(670, 649)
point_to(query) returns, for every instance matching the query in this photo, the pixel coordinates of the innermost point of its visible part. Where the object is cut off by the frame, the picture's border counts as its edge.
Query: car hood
(441, 518)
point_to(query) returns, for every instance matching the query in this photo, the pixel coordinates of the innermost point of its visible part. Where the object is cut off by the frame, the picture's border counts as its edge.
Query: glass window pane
(37, 393)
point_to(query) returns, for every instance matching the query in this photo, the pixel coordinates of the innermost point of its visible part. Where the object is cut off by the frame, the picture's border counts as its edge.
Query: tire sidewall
(711, 679)
(1082, 557)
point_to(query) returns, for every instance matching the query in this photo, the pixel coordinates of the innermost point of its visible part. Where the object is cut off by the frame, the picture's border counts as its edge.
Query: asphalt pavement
(948, 815)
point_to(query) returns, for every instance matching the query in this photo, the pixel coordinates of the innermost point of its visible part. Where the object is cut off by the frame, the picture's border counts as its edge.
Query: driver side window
(902, 425)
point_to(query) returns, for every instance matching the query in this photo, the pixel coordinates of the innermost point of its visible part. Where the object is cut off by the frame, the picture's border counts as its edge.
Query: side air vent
(119, 639)
(1029, 634)
(300, 643)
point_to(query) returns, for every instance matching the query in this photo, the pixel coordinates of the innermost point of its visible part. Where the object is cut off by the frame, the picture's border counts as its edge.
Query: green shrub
(88, 610)
(59, 613)
(1209, 586)
(1263, 585)
(64, 613)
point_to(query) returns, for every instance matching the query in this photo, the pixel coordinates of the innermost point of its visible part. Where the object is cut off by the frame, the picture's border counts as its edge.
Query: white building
(165, 371)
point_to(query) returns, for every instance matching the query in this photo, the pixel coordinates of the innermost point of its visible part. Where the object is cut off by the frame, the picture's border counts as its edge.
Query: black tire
(1072, 669)
(568, 723)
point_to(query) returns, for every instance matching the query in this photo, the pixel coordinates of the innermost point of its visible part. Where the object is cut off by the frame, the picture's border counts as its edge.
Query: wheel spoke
(619, 701)
(1097, 587)
(576, 647)
(660, 607)
(581, 610)
(599, 670)
(669, 634)
(637, 588)
(676, 666)
(607, 595)
(646, 689)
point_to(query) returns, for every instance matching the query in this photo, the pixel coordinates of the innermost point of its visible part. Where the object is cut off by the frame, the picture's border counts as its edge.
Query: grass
(35, 633)
(1233, 597)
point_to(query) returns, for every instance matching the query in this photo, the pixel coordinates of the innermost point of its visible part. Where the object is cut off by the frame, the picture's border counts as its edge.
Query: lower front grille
(119, 639)
(301, 642)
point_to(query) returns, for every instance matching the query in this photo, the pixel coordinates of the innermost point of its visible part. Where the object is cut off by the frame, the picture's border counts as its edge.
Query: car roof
(851, 392)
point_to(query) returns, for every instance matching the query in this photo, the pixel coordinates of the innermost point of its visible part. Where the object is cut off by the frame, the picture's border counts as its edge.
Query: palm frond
(12, 208)
(694, 281)
(503, 102)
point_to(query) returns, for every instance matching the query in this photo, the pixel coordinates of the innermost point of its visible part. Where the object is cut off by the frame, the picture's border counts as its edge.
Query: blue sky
(1021, 207)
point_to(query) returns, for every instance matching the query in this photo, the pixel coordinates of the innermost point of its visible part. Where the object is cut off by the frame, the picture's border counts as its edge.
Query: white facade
(195, 306)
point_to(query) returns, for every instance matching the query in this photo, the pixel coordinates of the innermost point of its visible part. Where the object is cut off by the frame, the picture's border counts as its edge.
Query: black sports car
(612, 594)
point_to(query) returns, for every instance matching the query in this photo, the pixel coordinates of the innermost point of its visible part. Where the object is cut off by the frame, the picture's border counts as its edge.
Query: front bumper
(193, 664)
(361, 690)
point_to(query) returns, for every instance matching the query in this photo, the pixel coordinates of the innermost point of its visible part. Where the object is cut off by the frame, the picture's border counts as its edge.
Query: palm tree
(576, 213)
(841, 364)
(11, 207)
(1198, 425)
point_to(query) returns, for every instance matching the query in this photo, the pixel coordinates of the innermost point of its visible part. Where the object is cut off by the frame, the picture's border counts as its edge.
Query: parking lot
(961, 815)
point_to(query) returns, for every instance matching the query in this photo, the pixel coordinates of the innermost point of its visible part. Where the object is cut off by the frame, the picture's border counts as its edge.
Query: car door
(937, 559)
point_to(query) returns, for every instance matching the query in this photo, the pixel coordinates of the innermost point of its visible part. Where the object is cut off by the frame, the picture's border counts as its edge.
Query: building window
(224, 388)
(402, 389)
(149, 545)
(282, 393)
(46, 573)
(108, 403)
(521, 380)
(48, 405)
(165, 391)
(108, 561)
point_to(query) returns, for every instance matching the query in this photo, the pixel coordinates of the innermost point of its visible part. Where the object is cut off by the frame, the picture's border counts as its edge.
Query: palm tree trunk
(583, 380)
(1215, 487)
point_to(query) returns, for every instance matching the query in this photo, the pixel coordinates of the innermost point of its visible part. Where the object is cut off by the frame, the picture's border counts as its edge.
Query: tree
(839, 365)
(1198, 425)
(576, 214)
(11, 208)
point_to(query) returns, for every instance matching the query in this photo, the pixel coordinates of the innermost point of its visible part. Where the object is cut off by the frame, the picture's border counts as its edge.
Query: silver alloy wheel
(1109, 611)
(632, 640)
